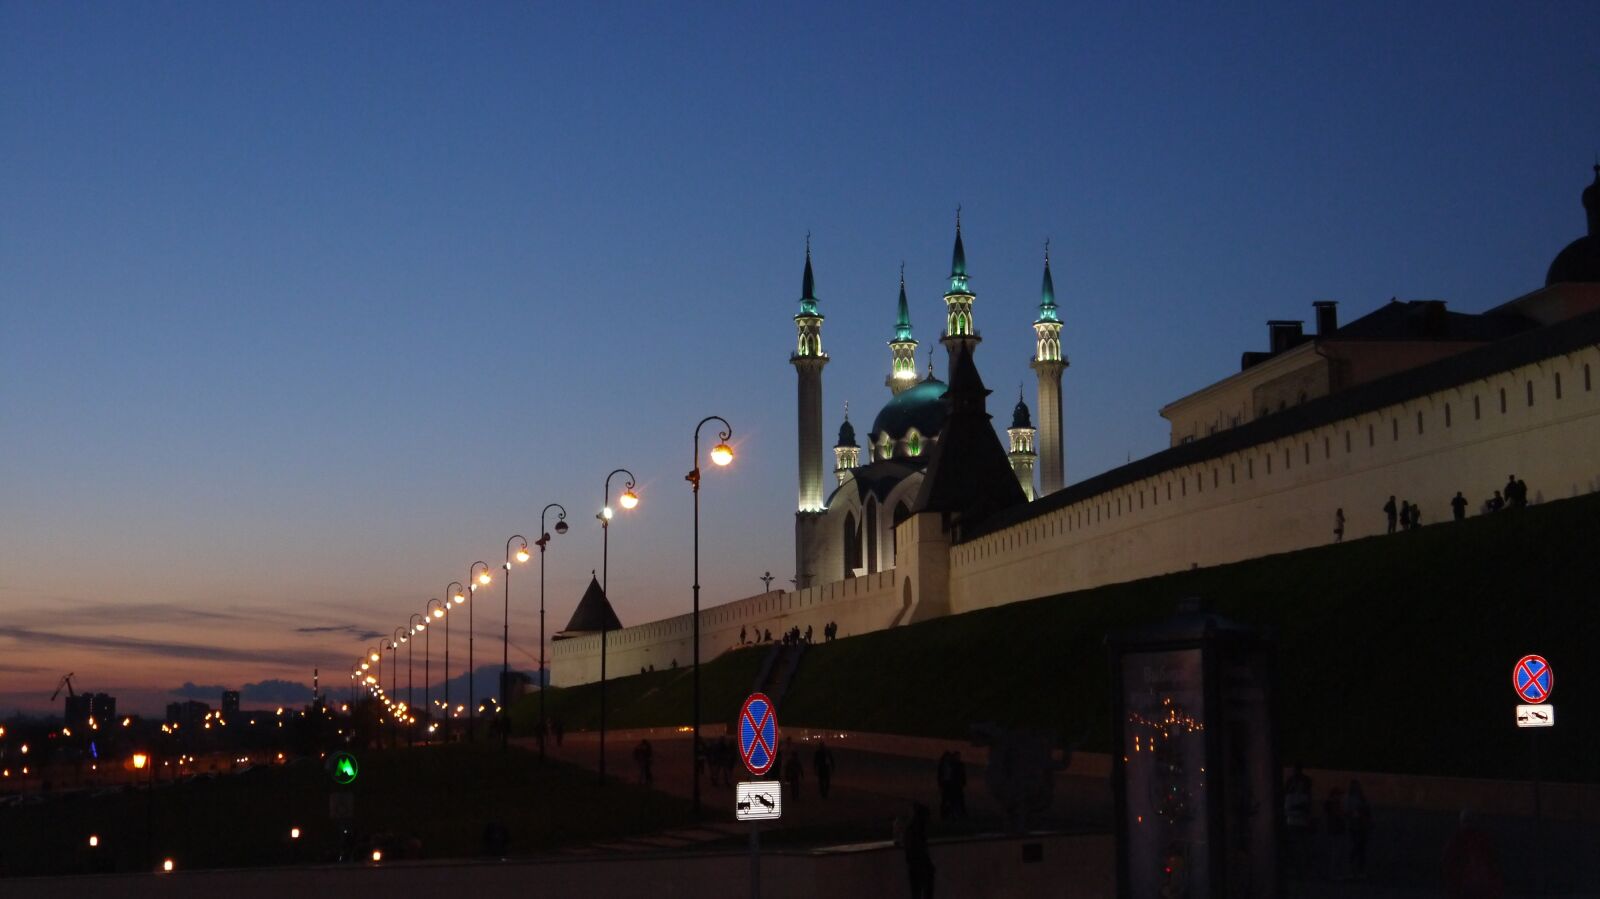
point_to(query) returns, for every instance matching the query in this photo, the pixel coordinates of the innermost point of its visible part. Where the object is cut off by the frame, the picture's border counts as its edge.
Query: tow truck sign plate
(1536, 716)
(758, 800)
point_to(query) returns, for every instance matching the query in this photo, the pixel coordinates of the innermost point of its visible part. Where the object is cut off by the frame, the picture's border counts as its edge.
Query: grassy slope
(1395, 653)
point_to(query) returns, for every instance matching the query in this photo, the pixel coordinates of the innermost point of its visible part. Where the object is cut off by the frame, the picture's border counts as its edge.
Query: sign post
(1534, 680)
(760, 800)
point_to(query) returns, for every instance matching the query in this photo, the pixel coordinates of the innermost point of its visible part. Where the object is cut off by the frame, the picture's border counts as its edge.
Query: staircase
(777, 671)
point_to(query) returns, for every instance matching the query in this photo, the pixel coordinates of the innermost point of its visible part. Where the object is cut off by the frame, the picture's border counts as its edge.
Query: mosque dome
(1580, 261)
(847, 433)
(920, 407)
(1019, 415)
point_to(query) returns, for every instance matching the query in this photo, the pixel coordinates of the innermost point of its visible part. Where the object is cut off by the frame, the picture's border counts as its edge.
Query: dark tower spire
(959, 330)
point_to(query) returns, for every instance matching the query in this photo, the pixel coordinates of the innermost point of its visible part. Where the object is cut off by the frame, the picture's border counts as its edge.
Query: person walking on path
(1458, 506)
(1333, 818)
(919, 864)
(1358, 819)
(793, 772)
(1389, 512)
(822, 764)
(1297, 823)
(1338, 525)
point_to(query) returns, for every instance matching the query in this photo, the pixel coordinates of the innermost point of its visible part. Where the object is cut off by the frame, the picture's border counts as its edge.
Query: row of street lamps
(369, 670)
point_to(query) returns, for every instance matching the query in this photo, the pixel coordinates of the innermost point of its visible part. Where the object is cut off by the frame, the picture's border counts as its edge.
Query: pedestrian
(944, 775)
(1405, 515)
(641, 758)
(1522, 493)
(1358, 819)
(793, 773)
(1511, 492)
(958, 785)
(1389, 512)
(1338, 525)
(1416, 516)
(1471, 864)
(1458, 506)
(919, 864)
(1498, 503)
(1297, 822)
(822, 763)
(1334, 823)
(808, 635)
(742, 639)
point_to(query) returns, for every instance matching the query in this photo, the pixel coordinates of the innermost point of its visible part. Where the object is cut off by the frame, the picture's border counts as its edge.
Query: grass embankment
(439, 797)
(1394, 653)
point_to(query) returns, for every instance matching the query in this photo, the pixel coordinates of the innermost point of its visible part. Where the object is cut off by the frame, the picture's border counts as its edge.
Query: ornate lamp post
(629, 499)
(482, 580)
(395, 639)
(542, 542)
(416, 623)
(427, 651)
(505, 639)
(454, 595)
(721, 454)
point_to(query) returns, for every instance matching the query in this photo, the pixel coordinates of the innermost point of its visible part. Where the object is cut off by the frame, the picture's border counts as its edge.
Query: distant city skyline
(308, 309)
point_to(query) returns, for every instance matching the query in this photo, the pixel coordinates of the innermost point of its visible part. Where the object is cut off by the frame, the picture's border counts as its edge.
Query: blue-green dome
(921, 407)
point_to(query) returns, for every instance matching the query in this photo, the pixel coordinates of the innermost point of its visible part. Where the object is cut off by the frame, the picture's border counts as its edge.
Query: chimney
(1283, 334)
(1327, 317)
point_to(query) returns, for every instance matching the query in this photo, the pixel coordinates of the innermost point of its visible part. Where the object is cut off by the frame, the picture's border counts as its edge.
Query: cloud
(37, 638)
(356, 632)
(192, 690)
(274, 690)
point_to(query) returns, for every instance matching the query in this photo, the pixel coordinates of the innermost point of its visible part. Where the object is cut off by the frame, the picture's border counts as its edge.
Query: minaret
(903, 348)
(846, 454)
(958, 329)
(808, 360)
(1048, 363)
(1022, 454)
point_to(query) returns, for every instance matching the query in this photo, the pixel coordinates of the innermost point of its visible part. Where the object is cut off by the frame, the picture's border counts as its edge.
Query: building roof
(594, 612)
(1429, 320)
(969, 474)
(917, 407)
(880, 477)
(847, 433)
(1580, 260)
(1480, 362)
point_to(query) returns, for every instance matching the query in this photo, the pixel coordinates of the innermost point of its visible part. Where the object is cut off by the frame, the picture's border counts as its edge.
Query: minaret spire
(846, 452)
(959, 330)
(903, 348)
(1022, 455)
(1048, 363)
(808, 360)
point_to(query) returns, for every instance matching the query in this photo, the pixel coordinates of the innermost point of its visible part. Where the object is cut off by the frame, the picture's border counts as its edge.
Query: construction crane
(66, 681)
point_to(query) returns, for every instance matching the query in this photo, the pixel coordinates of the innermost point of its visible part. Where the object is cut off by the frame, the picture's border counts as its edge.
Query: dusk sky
(306, 307)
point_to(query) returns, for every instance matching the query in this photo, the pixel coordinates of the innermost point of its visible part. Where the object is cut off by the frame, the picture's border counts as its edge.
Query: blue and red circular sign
(758, 734)
(1533, 678)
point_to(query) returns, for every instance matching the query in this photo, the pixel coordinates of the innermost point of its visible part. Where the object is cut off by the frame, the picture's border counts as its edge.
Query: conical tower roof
(1047, 292)
(902, 321)
(594, 612)
(808, 287)
(969, 474)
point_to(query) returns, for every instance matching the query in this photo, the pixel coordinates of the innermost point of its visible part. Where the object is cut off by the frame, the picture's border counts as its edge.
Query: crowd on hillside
(1407, 515)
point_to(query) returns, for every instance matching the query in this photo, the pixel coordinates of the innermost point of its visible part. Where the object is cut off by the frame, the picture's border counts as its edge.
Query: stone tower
(959, 331)
(846, 453)
(903, 348)
(808, 360)
(1022, 455)
(1048, 363)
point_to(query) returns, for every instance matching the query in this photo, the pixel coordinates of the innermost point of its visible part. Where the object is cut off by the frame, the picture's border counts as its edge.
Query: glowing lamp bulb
(374, 657)
(167, 866)
(377, 855)
(294, 833)
(93, 840)
(483, 577)
(722, 454)
(438, 613)
(140, 760)
(606, 513)
(629, 499)
(459, 598)
(522, 554)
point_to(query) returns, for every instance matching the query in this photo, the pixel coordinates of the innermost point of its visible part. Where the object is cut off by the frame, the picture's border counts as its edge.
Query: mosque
(935, 516)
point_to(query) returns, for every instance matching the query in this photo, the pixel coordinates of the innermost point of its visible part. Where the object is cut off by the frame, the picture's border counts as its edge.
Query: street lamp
(414, 623)
(721, 454)
(395, 639)
(427, 651)
(454, 595)
(505, 638)
(629, 499)
(542, 542)
(482, 580)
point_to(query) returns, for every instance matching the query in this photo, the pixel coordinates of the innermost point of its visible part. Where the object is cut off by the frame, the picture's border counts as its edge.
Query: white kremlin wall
(857, 605)
(1280, 496)
(1267, 498)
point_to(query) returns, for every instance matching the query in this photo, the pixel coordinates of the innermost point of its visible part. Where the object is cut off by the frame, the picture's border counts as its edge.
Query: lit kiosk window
(1194, 766)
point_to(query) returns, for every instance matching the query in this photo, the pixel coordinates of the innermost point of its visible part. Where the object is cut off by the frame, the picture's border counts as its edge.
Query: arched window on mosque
(852, 545)
(885, 446)
(872, 536)
(914, 443)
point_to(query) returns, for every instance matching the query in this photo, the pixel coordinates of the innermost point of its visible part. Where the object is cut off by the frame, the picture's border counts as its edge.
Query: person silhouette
(1459, 506)
(1338, 525)
(1389, 512)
